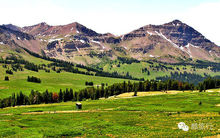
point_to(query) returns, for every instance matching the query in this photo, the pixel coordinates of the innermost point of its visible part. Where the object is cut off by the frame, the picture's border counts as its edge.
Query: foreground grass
(148, 116)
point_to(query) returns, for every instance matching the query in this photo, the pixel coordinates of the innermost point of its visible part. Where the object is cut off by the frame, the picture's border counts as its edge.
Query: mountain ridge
(169, 42)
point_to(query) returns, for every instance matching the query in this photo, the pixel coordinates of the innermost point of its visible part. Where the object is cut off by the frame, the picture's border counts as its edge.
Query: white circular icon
(183, 126)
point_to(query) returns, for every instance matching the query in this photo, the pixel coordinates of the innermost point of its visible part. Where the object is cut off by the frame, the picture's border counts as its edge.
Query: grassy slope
(52, 81)
(135, 69)
(7, 50)
(132, 117)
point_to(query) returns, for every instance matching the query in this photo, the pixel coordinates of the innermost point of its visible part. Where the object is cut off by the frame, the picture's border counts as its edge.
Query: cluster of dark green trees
(128, 60)
(9, 71)
(31, 66)
(209, 83)
(89, 83)
(95, 93)
(144, 70)
(33, 79)
(186, 77)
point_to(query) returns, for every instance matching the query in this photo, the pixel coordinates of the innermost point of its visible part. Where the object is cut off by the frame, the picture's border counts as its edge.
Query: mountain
(171, 39)
(12, 27)
(43, 29)
(171, 42)
(12, 37)
(73, 42)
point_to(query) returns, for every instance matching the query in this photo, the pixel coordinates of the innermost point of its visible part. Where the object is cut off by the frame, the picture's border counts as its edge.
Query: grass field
(150, 114)
(135, 69)
(147, 116)
(52, 81)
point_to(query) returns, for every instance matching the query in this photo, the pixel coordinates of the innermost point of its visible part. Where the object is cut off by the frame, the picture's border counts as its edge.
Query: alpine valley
(70, 81)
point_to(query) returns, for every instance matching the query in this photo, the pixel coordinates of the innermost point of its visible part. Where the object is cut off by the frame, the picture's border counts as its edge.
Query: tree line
(186, 77)
(95, 93)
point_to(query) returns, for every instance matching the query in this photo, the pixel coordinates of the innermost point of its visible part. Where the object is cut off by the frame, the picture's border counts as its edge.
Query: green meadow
(118, 116)
(147, 116)
(52, 81)
(135, 69)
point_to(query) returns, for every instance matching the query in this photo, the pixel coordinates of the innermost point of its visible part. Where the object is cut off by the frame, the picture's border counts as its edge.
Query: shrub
(6, 78)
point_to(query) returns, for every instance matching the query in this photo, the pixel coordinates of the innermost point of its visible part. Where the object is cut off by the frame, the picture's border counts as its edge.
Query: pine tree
(135, 92)
(1, 104)
(46, 97)
(60, 96)
(13, 99)
(6, 78)
(32, 97)
(18, 99)
(71, 94)
(21, 102)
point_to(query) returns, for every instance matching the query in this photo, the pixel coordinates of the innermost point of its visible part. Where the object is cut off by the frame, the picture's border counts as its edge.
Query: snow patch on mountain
(103, 47)
(95, 41)
(77, 49)
(122, 37)
(182, 48)
(163, 36)
(58, 39)
(188, 50)
(149, 33)
(125, 47)
(67, 35)
(195, 46)
(82, 41)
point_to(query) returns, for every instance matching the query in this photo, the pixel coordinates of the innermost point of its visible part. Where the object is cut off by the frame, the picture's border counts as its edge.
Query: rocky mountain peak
(43, 24)
(12, 27)
(176, 22)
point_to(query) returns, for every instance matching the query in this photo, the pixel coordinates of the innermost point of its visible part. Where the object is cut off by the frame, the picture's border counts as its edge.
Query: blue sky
(115, 16)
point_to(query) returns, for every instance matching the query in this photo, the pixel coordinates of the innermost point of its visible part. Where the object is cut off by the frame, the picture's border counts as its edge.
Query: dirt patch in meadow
(140, 94)
(2, 87)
